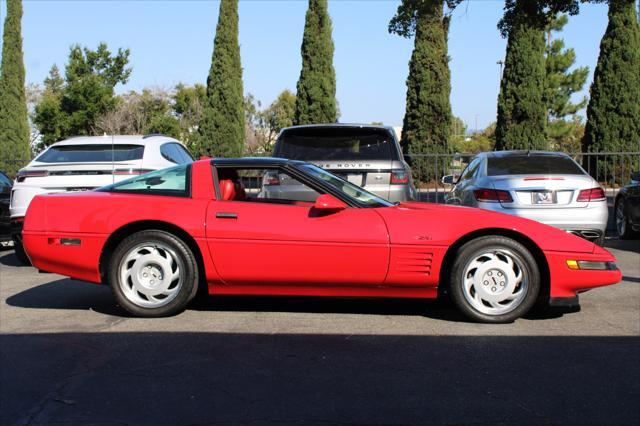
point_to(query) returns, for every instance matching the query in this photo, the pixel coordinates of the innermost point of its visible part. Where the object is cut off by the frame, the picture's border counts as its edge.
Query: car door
(256, 242)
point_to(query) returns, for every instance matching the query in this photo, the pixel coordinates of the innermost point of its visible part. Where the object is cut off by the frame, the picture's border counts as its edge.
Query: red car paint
(273, 249)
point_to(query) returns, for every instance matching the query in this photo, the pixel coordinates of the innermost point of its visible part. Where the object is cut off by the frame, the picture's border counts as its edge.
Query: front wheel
(494, 280)
(153, 274)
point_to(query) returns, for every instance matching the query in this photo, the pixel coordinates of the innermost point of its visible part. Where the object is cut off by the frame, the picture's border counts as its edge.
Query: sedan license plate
(543, 197)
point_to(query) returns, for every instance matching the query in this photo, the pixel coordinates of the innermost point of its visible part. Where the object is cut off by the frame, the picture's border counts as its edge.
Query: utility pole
(501, 63)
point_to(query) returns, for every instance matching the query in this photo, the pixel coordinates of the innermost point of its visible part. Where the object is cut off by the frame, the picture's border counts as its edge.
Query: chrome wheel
(495, 282)
(621, 219)
(150, 275)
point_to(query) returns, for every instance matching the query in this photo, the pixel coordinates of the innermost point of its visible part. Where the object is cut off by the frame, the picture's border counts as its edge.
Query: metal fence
(611, 169)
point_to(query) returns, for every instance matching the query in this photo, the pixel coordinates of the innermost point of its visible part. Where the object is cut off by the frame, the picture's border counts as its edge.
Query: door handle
(226, 215)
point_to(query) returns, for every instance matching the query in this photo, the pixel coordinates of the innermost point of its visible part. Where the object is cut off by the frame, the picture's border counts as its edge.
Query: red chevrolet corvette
(277, 227)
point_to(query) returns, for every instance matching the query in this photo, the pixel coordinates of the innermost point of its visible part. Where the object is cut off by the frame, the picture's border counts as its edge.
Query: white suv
(88, 162)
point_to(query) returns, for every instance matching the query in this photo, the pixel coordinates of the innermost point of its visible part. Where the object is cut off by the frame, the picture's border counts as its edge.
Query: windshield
(172, 181)
(101, 153)
(313, 144)
(532, 165)
(347, 188)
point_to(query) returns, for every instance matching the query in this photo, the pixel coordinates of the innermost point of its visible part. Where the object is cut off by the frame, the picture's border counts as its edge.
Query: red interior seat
(227, 190)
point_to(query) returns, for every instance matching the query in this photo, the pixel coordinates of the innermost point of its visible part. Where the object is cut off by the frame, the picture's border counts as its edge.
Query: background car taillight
(23, 174)
(492, 195)
(593, 194)
(271, 178)
(399, 177)
(131, 172)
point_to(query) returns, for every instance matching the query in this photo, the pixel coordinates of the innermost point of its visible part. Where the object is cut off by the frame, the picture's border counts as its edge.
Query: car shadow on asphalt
(77, 295)
(624, 245)
(10, 259)
(317, 379)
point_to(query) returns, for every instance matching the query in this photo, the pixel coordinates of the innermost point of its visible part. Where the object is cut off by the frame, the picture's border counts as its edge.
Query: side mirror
(408, 160)
(329, 202)
(635, 177)
(448, 179)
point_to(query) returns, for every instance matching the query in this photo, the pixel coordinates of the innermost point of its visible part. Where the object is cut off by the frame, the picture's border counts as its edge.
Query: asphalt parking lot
(69, 355)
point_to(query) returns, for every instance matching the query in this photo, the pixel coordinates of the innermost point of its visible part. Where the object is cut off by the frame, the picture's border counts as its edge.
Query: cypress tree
(521, 107)
(316, 90)
(562, 82)
(14, 125)
(221, 129)
(427, 120)
(613, 114)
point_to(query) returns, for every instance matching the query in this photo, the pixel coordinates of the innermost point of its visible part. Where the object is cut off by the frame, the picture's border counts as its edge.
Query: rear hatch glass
(532, 165)
(91, 153)
(327, 144)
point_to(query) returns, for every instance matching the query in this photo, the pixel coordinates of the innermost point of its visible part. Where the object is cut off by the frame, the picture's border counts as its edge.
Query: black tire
(188, 273)
(627, 231)
(527, 293)
(21, 255)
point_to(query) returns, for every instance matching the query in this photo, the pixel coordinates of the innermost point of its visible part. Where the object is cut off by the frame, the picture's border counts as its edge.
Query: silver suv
(366, 155)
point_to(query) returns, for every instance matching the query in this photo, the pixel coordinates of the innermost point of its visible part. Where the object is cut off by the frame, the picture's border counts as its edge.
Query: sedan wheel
(494, 279)
(621, 219)
(153, 274)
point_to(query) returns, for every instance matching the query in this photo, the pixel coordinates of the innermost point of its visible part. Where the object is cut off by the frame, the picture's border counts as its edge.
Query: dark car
(628, 209)
(5, 193)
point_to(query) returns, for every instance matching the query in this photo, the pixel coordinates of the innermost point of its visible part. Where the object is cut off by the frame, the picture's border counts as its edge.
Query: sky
(171, 41)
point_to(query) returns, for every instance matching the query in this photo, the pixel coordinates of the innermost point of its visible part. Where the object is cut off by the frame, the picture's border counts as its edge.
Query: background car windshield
(532, 165)
(171, 181)
(351, 190)
(336, 144)
(91, 153)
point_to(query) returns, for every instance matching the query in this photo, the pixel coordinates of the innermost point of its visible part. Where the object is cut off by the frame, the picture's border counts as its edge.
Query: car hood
(439, 224)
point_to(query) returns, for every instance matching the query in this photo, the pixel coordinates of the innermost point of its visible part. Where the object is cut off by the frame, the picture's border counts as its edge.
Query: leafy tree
(141, 113)
(427, 120)
(73, 106)
(48, 116)
(561, 83)
(316, 89)
(14, 124)
(613, 114)
(188, 106)
(265, 125)
(221, 129)
(89, 91)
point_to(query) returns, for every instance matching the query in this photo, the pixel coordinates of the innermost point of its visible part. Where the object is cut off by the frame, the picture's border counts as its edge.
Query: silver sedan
(548, 187)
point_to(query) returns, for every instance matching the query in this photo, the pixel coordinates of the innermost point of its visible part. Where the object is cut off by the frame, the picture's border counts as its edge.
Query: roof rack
(153, 135)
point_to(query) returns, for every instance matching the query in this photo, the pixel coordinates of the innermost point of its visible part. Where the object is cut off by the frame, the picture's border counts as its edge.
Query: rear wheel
(622, 220)
(494, 280)
(153, 274)
(21, 254)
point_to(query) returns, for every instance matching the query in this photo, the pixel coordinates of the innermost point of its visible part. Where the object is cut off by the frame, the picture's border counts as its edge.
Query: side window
(471, 169)
(174, 181)
(265, 185)
(4, 180)
(175, 153)
(184, 154)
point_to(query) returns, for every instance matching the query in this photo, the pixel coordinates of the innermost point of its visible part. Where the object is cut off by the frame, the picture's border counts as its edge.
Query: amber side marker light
(588, 265)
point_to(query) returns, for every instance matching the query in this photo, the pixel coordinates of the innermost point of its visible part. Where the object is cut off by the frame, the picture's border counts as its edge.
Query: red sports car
(277, 227)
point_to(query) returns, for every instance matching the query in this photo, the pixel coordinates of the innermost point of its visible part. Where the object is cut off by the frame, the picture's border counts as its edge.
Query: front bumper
(568, 283)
